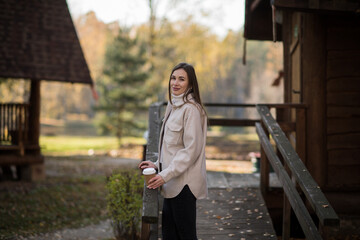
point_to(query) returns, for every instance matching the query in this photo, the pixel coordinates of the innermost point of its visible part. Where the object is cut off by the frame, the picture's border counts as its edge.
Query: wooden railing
(327, 216)
(292, 172)
(13, 126)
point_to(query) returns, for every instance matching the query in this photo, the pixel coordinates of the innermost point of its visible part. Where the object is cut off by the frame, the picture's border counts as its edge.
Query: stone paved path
(100, 231)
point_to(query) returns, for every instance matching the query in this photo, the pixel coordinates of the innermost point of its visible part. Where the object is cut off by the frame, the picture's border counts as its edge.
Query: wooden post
(286, 219)
(150, 212)
(264, 169)
(145, 231)
(34, 114)
(301, 133)
(19, 111)
(287, 211)
(286, 37)
(34, 171)
(280, 118)
(314, 94)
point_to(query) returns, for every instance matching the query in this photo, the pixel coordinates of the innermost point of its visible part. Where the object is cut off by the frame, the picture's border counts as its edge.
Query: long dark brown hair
(193, 87)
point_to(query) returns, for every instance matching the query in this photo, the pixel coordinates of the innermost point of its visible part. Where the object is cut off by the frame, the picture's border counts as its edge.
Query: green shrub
(124, 203)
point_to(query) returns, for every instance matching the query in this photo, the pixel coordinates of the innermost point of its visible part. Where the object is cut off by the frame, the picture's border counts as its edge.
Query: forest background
(218, 62)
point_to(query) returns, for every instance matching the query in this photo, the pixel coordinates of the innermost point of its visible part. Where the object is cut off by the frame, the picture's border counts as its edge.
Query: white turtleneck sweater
(182, 148)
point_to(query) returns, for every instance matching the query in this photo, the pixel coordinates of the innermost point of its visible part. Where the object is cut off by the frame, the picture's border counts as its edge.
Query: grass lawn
(59, 202)
(80, 145)
(32, 208)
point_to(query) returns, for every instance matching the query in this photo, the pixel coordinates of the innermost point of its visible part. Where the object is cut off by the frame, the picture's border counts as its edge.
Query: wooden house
(321, 43)
(38, 43)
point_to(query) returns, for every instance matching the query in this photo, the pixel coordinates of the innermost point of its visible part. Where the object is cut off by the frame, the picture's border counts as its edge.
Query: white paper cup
(149, 173)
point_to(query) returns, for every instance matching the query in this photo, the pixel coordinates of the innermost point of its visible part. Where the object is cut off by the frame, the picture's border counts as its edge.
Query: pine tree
(122, 87)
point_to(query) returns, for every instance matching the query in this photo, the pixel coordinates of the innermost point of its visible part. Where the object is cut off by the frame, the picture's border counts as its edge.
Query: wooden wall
(327, 73)
(343, 102)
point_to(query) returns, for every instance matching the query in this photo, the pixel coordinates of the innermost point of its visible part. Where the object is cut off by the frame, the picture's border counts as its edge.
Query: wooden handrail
(310, 188)
(299, 207)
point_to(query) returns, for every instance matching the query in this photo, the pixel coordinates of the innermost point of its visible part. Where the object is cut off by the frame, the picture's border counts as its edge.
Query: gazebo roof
(38, 41)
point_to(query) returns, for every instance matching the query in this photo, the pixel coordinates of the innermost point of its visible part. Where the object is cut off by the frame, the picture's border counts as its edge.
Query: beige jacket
(182, 149)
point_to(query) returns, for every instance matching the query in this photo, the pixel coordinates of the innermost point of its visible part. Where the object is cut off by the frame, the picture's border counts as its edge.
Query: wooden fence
(13, 126)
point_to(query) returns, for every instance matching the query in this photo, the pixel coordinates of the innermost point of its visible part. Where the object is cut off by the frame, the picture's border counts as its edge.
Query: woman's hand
(156, 182)
(147, 164)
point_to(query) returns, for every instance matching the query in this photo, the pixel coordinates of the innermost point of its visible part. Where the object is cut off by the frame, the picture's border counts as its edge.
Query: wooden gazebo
(321, 42)
(38, 42)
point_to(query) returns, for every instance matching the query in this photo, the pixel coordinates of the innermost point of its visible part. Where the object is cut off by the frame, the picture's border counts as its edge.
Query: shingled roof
(38, 41)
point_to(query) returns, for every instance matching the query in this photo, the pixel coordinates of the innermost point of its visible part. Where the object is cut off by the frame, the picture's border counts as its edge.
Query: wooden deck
(234, 209)
(234, 213)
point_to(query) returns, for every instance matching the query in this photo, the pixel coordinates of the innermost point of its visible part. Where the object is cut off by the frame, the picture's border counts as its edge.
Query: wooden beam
(243, 105)
(16, 159)
(232, 122)
(340, 6)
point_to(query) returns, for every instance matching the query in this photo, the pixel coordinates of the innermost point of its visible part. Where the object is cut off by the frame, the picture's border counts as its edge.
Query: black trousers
(179, 216)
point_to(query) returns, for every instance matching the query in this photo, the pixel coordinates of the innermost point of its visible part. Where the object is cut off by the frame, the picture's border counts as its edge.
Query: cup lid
(148, 171)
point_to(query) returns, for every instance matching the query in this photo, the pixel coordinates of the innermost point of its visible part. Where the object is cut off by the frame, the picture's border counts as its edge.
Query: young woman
(181, 164)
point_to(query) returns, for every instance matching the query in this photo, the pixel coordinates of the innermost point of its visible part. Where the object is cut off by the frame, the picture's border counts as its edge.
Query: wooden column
(34, 114)
(301, 133)
(264, 168)
(286, 36)
(34, 171)
(314, 94)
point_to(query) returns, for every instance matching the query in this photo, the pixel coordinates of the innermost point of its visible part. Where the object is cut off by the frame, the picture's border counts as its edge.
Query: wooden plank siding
(343, 103)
